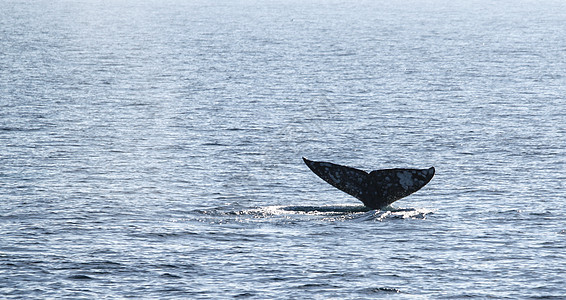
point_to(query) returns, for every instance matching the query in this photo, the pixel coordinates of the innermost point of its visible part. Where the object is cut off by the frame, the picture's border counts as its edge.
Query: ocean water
(152, 149)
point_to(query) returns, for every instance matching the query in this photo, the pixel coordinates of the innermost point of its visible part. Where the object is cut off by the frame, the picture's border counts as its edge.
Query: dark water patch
(541, 213)
(101, 268)
(474, 296)
(80, 277)
(214, 144)
(278, 278)
(19, 129)
(165, 235)
(101, 265)
(382, 290)
(317, 286)
(168, 266)
(235, 129)
(169, 275)
(174, 271)
(245, 295)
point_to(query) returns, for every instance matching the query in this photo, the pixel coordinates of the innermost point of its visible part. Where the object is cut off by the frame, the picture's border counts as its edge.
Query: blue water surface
(152, 149)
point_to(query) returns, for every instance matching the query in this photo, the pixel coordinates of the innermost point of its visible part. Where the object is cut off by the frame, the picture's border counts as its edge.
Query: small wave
(245, 295)
(169, 275)
(18, 129)
(383, 290)
(309, 286)
(80, 277)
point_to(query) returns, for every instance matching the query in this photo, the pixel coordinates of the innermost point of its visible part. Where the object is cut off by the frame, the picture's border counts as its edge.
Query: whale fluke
(377, 189)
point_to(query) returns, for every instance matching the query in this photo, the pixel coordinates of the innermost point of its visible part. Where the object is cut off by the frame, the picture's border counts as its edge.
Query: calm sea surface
(152, 149)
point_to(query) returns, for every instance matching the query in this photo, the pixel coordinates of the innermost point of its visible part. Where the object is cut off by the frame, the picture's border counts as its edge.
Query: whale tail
(377, 189)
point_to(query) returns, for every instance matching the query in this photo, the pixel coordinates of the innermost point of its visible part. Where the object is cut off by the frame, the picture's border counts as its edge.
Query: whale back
(377, 189)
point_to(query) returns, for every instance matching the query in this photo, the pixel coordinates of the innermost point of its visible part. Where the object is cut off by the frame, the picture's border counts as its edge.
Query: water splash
(325, 213)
